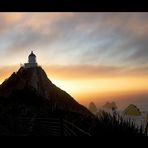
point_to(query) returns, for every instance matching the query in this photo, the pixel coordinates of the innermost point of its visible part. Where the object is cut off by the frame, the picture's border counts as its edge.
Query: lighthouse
(31, 61)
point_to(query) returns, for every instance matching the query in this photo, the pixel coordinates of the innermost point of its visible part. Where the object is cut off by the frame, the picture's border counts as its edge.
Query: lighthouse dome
(32, 54)
(32, 58)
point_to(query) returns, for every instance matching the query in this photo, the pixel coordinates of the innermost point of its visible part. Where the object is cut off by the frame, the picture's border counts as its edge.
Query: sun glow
(85, 88)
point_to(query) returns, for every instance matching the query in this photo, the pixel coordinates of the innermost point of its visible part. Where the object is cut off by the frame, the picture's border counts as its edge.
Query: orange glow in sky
(93, 88)
(86, 89)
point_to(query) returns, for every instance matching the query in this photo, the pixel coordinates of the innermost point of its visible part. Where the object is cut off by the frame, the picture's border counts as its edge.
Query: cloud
(94, 72)
(91, 38)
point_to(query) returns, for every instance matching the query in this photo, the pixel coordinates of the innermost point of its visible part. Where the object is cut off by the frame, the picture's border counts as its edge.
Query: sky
(93, 56)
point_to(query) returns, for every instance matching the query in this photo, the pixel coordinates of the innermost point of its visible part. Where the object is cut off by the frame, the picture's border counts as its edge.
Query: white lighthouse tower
(31, 61)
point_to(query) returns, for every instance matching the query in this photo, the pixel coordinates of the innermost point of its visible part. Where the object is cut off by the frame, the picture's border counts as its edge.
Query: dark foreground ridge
(30, 104)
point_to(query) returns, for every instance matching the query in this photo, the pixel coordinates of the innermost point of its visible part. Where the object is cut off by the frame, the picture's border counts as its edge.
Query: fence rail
(50, 126)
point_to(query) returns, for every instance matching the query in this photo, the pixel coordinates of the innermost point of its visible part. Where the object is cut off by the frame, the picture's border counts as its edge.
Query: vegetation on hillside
(108, 124)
